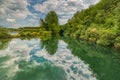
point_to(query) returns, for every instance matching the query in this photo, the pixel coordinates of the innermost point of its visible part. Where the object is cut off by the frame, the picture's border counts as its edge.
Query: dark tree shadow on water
(4, 43)
(50, 44)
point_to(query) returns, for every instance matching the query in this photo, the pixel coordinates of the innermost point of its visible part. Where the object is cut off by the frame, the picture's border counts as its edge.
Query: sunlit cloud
(10, 20)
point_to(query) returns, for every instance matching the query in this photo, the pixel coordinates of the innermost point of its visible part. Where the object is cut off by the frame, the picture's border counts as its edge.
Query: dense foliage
(4, 33)
(36, 32)
(50, 23)
(99, 24)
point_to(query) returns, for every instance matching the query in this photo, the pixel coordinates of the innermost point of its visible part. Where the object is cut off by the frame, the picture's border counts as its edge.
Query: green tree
(51, 22)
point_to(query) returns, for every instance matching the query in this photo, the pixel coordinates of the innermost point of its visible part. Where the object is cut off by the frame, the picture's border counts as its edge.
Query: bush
(117, 42)
(4, 35)
(92, 34)
(106, 37)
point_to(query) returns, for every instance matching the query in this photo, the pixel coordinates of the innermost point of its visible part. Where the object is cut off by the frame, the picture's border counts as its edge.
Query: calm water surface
(57, 59)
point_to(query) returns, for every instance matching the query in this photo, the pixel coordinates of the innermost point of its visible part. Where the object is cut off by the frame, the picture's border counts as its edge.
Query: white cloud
(63, 21)
(64, 8)
(10, 20)
(14, 13)
(14, 9)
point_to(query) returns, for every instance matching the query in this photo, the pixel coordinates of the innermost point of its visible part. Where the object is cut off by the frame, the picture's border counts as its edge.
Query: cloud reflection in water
(30, 55)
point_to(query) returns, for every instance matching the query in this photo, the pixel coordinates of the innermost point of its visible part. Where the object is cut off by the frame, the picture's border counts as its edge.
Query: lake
(57, 59)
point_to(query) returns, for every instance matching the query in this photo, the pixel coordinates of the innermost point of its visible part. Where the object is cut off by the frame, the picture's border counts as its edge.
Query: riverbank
(99, 24)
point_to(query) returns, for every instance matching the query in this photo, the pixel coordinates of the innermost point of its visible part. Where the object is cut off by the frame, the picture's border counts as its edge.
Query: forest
(99, 24)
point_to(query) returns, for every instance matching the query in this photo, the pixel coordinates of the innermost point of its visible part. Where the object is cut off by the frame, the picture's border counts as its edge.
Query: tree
(44, 24)
(51, 22)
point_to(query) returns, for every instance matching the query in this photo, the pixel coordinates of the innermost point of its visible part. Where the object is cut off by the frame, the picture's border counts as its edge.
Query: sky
(23, 13)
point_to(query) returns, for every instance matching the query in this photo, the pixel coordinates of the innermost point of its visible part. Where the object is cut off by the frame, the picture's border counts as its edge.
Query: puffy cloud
(10, 20)
(14, 9)
(14, 13)
(64, 8)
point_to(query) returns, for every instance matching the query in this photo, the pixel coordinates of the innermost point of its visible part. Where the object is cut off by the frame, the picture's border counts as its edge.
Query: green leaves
(4, 33)
(100, 23)
(51, 23)
(117, 42)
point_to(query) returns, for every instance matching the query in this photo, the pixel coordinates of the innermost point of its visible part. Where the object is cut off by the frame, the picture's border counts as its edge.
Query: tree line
(99, 24)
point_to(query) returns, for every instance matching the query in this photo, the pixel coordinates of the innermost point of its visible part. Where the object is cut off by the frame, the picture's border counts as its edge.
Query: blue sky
(20, 13)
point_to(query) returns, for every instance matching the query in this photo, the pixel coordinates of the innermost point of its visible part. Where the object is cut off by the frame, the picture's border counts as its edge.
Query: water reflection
(28, 60)
(50, 44)
(105, 62)
(4, 43)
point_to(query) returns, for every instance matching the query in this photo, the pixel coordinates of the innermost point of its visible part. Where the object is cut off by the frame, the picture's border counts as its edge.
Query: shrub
(106, 37)
(117, 42)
